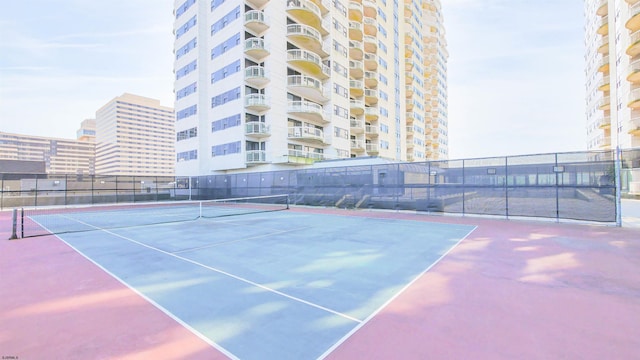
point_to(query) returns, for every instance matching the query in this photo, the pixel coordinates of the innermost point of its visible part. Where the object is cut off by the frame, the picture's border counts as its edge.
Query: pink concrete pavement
(512, 289)
(516, 290)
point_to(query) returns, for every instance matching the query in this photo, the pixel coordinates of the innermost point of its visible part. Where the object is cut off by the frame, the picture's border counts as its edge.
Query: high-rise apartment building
(135, 136)
(60, 156)
(612, 39)
(266, 85)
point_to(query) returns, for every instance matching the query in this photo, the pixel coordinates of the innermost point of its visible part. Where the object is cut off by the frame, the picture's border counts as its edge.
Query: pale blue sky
(515, 68)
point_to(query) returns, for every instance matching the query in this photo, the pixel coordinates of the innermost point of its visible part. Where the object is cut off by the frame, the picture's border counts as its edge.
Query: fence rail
(578, 185)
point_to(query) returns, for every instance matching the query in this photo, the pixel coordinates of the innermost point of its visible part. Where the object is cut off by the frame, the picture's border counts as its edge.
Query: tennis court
(310, 283)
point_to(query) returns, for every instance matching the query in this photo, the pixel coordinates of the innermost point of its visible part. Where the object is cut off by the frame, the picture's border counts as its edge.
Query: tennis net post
(14, 225)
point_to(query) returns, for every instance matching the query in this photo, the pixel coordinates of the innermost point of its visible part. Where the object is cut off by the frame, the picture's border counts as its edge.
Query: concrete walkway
(631, 213)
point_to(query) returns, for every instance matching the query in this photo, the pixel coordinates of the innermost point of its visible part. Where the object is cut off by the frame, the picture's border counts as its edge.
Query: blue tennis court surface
(282, 285)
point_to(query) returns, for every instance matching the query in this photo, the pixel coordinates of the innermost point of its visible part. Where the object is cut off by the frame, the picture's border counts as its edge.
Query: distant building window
(226, 149)
(187, 155)
(184, 113)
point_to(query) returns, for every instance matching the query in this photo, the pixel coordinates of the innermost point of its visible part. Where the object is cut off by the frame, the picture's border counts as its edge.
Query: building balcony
(371, 79)
(634, 49)
(408, 77)
(256, 49)
(370, 96)
(408, 50)
(255, 157)
(371, 62)
(408, 90)
(372, 148)
(606, 142)
(371, 113)
(257, 129)
(256, 76)
(356, 69)
(356, 88)
(308, 110)
(605, 122)
(306, 134)
(308, 87)
(604, 103)
(355, 11)
(306, 12)
(355, 30)
(306, 37)
(256, 22)
(409, 117)
(603, 45)
(409, 105)
(603, 29)
(370, 44)
(634, 72)
(604, 84)
(355, 50)
(603, 8)
(370, 8)
(634, 126)
(371, 130)
(357, 145)
(304, 157)
(256, 102)
(308, 62)
(408, 64)
(634, 99)
(258, 4)
(357, 126)
(633, 24)
(603, 65)
(356, 106)
(370, 26)
(323, 5)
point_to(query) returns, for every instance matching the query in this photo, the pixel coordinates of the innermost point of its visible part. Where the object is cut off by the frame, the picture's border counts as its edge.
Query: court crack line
(247, 281)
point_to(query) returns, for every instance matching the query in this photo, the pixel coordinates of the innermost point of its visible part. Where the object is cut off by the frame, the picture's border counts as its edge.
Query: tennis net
(30, 222)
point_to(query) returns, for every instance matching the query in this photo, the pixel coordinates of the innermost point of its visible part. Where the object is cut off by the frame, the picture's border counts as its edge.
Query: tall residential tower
(612, 39)
(266, 85)
(135, 136)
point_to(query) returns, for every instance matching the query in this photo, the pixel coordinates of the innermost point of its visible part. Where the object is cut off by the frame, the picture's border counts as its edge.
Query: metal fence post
(618, 169)
(506, 186)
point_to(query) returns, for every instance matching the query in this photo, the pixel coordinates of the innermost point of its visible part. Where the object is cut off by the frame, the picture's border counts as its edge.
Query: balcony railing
(256, 128)
(305, 132)
(372, 148)
(256, 102)
(256, 21)
(256, 75)
(256, 48)
(306, 154)
(256, 156)
(308, 86)
(306, 107)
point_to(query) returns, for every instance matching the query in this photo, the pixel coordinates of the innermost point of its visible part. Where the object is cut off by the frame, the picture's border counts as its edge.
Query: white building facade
(612, 40)
(266, 85)
(135, 135)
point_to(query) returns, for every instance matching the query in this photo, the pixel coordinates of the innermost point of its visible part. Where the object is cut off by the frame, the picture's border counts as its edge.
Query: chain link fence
(576, 185)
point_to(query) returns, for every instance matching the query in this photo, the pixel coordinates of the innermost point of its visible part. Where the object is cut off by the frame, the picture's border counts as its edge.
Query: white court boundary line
(375, 313)
(247, 281)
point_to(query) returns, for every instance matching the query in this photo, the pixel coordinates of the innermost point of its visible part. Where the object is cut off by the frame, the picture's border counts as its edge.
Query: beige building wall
(135, 136)
(61, 156)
